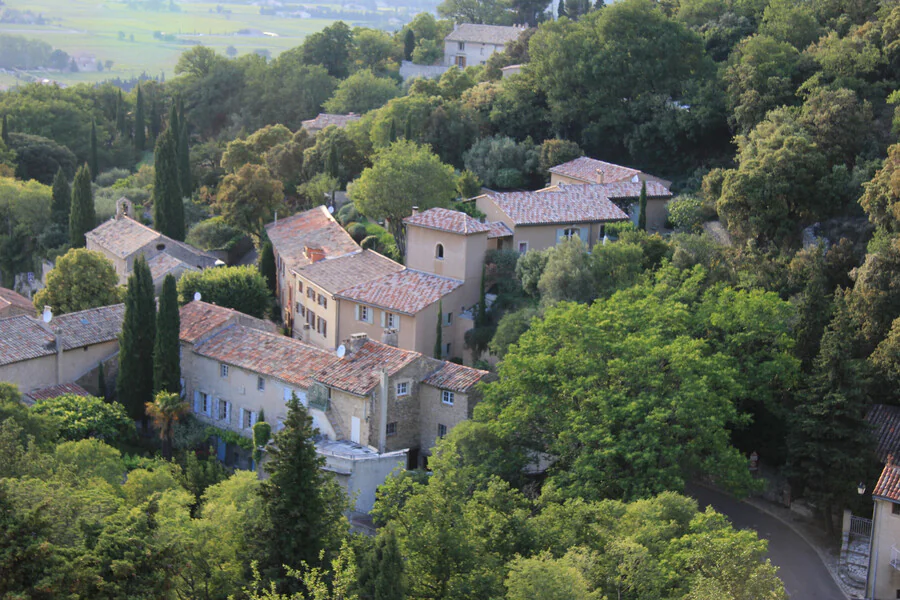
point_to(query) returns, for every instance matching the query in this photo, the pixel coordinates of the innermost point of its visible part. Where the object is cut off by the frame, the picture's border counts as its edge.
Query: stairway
(854, 566)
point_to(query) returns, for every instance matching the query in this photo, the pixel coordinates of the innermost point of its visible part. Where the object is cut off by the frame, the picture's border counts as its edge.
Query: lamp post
(861, 488)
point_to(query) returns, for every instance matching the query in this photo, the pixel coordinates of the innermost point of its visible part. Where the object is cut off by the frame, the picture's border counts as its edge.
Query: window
(301, 310)
(160, 247)
(310, 319)
(224, 412)
(439, 252)
(323, 301)
(448, 319)
(310, 293)
(248, 418)
(391, 428)
(223, 370)
(322, 326)
(364, 314)
(260, 384)
(447, 397)
(403, 388)
(462, 46)
(299, 287)
(390, 320)
(523, 247)
(571, 232)
(442, 430)
(895, 509)
(447, 349)
(202, 406)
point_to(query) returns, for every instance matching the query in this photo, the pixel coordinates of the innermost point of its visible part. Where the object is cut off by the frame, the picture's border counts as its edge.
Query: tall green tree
(242, 288)
(302, 504)
(267, 266)
(155, 120)
(642, 207)
(94, 164)
(82, 217)
(439, 332)
(166, 363)
(168, 210)
(184, 158)
(381, 574)
(62, 200)
(140, 126)
(134, 385)
(4, 130)
(248, 199)
(81, 279)
(409, 44)
(120, 114)
(165, 410)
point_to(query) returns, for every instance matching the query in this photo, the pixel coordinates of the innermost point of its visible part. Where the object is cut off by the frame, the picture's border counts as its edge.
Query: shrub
(347, 214)
(214, 234)
(111, 176)
(82, 417)
(241, 288)
(357, 231)
(688, 213)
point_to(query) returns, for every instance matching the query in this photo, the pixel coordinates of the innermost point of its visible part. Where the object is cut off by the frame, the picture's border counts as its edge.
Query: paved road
(804, 575)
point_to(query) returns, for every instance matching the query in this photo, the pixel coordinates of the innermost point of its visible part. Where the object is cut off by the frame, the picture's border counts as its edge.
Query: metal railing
(860, 526)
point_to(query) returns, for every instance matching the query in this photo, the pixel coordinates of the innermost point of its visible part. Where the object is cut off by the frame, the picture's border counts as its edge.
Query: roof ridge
(96, 308)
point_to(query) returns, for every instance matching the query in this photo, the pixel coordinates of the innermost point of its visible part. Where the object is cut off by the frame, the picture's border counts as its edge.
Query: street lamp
(861, 488)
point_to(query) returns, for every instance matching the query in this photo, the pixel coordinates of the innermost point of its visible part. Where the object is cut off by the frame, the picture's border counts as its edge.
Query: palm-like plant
(165, 410)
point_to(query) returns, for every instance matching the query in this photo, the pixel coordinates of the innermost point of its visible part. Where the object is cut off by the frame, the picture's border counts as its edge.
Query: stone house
(12, 304)
(471, 44)
(590, 171)
(324, 120)
(122, 239)
(35, 355)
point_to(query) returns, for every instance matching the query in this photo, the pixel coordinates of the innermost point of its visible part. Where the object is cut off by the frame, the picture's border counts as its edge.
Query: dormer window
(439, 252)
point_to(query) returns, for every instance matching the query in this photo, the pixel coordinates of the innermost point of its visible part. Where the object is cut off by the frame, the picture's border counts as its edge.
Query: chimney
(389, 337)
(415, 210)
(599, 176)
(313, 255)
(357, 341)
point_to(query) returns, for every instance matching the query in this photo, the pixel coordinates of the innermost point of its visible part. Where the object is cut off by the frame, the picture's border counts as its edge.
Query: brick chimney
(389, 337)
(314, 255)
(415, 210)
(600, 176)
(356, 341)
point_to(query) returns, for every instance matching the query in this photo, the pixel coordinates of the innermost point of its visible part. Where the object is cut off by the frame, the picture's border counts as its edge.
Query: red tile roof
(164, 263)
(358, 372)
(406, 291)
(452, 376)
(314, 228)
(55, 391)
(199, 319)
(885, 421)
(13, 298)
(557, 207)
(590, 169)
(614, 191)
(284, 358)
(24, 338)
(337, 274)
(499, 230)
(444, 219)
(123, 236)
(888, 486)
(323, 120)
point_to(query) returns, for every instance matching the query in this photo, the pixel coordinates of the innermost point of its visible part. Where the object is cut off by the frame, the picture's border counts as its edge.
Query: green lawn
(92, 28)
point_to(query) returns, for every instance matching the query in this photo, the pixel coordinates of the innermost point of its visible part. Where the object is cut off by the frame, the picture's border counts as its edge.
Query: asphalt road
(804, 575)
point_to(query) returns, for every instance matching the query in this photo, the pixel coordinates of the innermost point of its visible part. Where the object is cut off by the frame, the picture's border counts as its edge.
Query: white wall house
(469, 44)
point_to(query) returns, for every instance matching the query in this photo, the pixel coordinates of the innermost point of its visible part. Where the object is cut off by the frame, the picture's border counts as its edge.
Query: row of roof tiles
(10, 298)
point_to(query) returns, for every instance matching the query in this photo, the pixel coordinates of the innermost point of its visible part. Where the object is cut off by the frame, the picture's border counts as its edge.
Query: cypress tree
(4, 131)
(481, 316)
(393, 132)
(81, 217)
(140, 133)
(438, 340)
(101, 382)
(561, 12)
(166, 364)
(174, 126)
(155, 124)
(407, 130)
(62, 200)
(267, 266)
(134, 385)
(409, 44)
(120, 114)
(380, 576)
(302, 505)
(166, 189)
(94, 165)
(642, 205)
(184, 161)
(331, 163)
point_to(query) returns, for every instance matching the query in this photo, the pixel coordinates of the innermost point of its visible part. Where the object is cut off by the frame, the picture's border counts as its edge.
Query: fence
(860, 526)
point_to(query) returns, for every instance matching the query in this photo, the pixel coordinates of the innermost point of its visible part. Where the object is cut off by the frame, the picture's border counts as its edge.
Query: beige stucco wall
(41, 372)
(330, 313)
(463, 256)
(426, 324)
(474, 52)
(541, 237)
(884, 580)
(348, 324)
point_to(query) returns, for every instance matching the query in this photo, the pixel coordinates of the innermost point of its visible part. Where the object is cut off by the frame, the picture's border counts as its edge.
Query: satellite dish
(341, 351)
(47, 314)
(197, 296)
(331, 209)
(219, 262)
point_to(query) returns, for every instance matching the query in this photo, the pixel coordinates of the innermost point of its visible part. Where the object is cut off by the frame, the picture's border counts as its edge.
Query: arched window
(439, 251)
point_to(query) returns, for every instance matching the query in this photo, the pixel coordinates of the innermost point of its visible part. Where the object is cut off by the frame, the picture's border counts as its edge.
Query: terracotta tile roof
(358, 372)
(12, 298)
(444, 219)
(55, 391)
(406, 291)
(323, 120)
(23, 338)
(457, 378)
(337, 274)
(122, 237)
(266, 353)
(613, 191)
(888, 486)
(499, 230)
(557, 207)
(199, 319)
(885, 422)
(163, 263)
(484, 34)
(314, 228)
(590, 169)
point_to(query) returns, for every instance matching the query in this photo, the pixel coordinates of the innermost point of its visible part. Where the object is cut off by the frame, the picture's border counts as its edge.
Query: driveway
(804, 575)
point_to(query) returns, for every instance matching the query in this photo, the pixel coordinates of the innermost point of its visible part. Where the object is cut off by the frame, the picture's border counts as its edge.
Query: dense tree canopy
(80, 280)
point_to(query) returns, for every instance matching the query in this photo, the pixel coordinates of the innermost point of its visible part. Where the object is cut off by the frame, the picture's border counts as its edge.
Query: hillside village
(564, 302)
